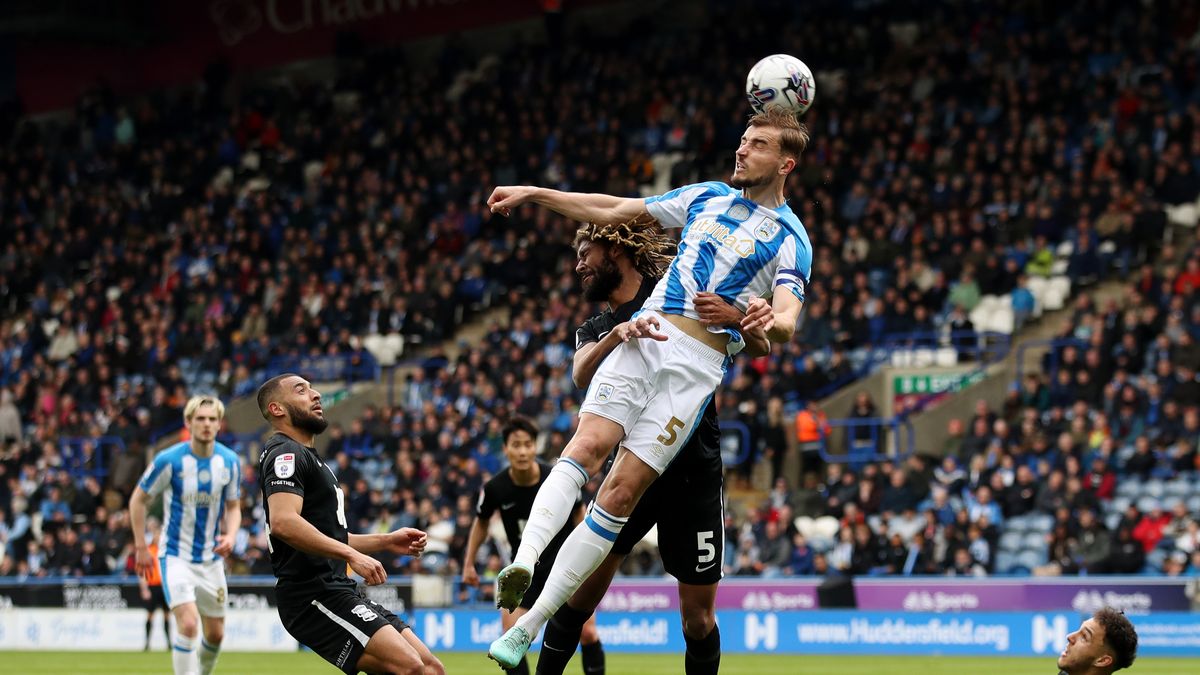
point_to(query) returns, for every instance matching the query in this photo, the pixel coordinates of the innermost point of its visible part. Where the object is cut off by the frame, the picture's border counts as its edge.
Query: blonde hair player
(198, 480)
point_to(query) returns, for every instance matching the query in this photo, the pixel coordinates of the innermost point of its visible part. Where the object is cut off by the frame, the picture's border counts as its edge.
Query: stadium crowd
(178, 242)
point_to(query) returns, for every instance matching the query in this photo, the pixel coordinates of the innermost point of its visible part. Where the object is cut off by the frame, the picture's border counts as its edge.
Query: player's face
(1084, 647)
(520, 450)
(758, 159)
(597, 271)
(303, 405)
(204, 424)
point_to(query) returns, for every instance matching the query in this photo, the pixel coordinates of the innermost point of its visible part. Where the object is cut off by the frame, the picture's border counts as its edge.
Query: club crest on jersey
(766, 230)
(604, 392)
(285, 465)
(738, 212)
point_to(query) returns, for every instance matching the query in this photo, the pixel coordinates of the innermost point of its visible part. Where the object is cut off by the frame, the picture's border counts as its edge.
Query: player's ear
(1104, 661)
(789, 163)
(276, 410)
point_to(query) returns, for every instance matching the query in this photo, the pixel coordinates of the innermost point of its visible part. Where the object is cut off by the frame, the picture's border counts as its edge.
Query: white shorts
(656, 391)
(201, 583)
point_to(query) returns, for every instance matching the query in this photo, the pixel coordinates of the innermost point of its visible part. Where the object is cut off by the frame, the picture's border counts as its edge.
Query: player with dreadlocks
(619, 264)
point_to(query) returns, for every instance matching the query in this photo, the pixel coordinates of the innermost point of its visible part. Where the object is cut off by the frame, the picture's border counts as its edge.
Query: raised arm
(578, 206)
(287, 524)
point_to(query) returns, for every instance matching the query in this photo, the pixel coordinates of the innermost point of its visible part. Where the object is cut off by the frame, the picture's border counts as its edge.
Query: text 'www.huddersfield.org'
(900, 631)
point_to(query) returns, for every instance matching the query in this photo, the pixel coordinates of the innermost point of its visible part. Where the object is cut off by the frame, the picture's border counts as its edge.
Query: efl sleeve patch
(285, 465)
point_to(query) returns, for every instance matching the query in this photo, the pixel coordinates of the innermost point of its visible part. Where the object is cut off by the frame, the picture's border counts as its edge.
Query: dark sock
(703, 657)
(560, 640)
(522, 668)
(149, 626)
(593, 659)
(167, 628)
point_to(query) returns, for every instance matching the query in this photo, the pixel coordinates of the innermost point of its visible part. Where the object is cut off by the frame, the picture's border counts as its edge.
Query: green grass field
(618, 664)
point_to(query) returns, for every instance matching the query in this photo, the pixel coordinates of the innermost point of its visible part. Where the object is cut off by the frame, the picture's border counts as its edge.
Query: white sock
(552, 506)
(580, 555)
(184, 657)
(208, 656)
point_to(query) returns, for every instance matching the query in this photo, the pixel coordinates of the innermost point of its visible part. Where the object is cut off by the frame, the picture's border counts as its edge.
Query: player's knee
(698, 620)
(407, 664)
(589, 635)
(619, 496)
(214, 635)
(187, 626)
(589, 449)
(434, 666)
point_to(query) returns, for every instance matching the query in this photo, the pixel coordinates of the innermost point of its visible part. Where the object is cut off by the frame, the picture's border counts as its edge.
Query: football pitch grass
(460, 663)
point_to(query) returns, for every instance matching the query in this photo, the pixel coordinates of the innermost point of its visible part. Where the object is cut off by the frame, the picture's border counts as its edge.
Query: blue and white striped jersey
(194, 491)
(730, 246)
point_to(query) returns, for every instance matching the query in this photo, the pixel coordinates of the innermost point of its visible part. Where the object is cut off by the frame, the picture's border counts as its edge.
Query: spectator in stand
(1149, 530)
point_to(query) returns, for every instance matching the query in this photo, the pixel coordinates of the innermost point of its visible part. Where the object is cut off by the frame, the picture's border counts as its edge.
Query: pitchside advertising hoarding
(1018, 617)
(832, 632)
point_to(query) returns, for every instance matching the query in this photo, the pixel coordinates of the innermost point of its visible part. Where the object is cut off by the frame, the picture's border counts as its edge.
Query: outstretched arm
(780, 322)
(578, 206)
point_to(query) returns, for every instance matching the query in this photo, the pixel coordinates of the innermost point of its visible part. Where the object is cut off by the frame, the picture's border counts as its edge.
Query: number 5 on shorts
(672, 430)
(707, 552)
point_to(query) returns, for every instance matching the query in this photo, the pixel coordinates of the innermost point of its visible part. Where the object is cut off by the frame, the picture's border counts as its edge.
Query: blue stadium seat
(1005, 560)
(1193, 504)
(1180, 487)
(1129, 487)
(1156, 558)
(1018, 524)
(1147, 503)
(1010, 541)
(1034, 540)
(1112, 520)
(1041, 522)
(1118, 504)
(1154, 488)
(1030, 558)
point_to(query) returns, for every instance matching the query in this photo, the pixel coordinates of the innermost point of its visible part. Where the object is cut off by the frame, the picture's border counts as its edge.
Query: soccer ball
(781, 80)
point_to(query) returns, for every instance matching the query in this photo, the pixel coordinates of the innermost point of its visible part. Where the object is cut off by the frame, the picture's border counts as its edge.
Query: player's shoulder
(500, 482)
(226, 452)
(280, 444)
(172, 453)
(696, 191)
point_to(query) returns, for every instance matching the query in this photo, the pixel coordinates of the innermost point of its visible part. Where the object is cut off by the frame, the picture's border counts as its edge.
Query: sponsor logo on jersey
(285, 465)
(204, 476)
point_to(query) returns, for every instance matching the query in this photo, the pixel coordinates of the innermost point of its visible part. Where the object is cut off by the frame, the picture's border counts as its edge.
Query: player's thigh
(627, 481)
(338, 625)
(212, 590)
(671, 415)
(178, 582)
(433, 665)
(623, 383)
(593, 439)
(388, 652)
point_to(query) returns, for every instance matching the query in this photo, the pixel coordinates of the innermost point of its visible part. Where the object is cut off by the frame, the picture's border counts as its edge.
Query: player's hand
(370, 569)
(470, 577)
(407, 541)
(758, 315)
(145, 595)
(714, 311)
(641, 327)
(508, 197)
(142, 562)
(224, 545)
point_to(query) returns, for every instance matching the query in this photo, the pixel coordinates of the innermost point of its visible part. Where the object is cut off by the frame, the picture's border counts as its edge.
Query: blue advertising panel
(833, 632)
